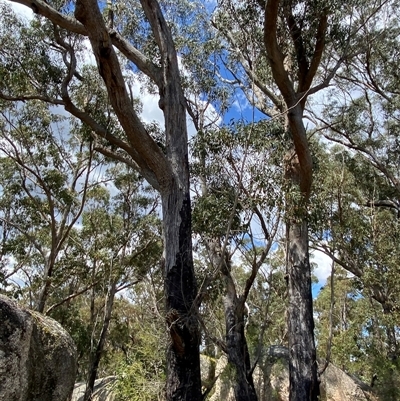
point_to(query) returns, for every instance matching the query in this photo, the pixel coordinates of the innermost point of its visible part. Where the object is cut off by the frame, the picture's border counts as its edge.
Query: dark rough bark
(44, 291)
(238, 353)
(172, 175)
(303, 369)
(167, 172)
(235, 339)
(303, 377)
(183, 355)
(183, 358)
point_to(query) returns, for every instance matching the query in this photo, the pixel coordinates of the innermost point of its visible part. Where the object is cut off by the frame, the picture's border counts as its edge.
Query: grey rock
(37, 356)
(271, 379)
(102, 391)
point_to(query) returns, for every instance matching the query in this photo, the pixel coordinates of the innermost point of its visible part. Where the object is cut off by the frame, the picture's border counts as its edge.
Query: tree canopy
(169, 168)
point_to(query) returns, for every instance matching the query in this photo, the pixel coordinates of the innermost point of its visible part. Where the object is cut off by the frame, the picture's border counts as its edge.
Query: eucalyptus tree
(119, 243)
(44, 181)
(355, 329)
(140, 334)
(281, 53)
(263, 49)
(352, 229)
(362, 117)
(362, 114)
(66, 238)
(56, 37)
(232, 216)
(359, 236)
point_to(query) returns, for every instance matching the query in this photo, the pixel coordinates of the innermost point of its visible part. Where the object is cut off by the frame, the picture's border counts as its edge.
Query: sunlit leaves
(36, 66)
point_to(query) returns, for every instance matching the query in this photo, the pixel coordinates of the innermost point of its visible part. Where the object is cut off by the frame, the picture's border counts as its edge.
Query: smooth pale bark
(60, 231)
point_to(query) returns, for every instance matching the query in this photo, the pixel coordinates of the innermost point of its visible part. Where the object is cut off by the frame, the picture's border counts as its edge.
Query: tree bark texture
(238, 353)
(304, 385)
(171, 173)
(303, 377)
(235, 339)
(303, 369)
(183, 358)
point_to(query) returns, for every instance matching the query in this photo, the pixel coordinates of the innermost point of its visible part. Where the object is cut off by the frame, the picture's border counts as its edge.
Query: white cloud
(324, 265)
(151, 111)
(19, 9)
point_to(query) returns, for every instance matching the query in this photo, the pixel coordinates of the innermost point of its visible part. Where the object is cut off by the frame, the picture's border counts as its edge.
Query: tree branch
(71, 24)
(318, 52)
(148, 155)
(275, 56)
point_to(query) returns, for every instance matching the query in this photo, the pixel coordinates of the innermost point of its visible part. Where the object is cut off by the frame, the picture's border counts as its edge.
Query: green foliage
(141, 371)
(240, 166)
(212, 212)
(35, 68)
(361, 341)
(97, 219)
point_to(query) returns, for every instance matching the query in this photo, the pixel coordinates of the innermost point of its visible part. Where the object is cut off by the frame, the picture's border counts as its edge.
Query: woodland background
(292, 109)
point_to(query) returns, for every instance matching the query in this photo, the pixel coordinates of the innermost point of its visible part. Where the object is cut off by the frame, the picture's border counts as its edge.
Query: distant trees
(73, 225)
(79, 224)
(280, 54)
(45, 176)
(58, 39)
(231, 181)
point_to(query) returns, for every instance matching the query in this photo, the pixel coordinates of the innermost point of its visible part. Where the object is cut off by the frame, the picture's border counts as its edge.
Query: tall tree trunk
(183, 357)
(236, 344)
(183, 354)
(167, 172)
(303, 377)
(303, 369)
(302, 356)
